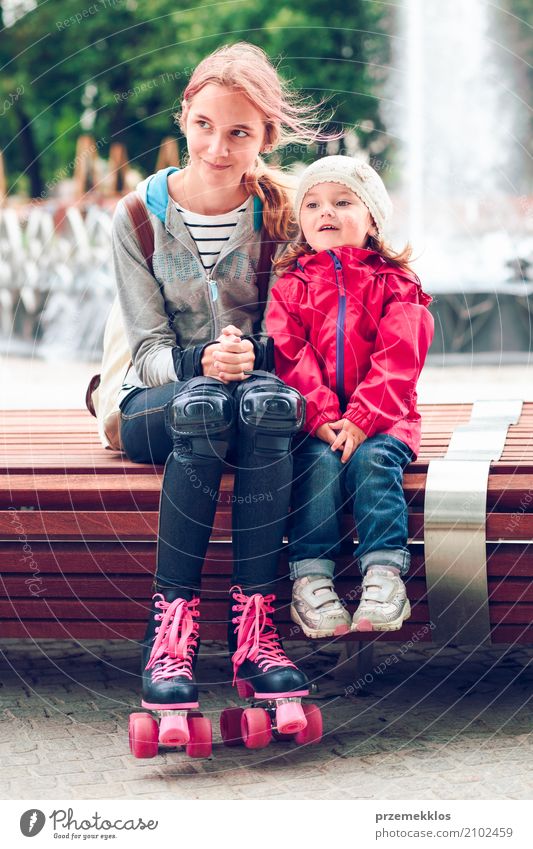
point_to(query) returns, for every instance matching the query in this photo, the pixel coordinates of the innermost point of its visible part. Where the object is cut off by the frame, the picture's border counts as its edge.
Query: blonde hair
(289, 118)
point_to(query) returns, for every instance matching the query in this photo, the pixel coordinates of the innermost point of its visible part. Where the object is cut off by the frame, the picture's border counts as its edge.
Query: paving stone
(56, 768)
(103, 791)
(424, 730)
(17, 759)
(83, 778)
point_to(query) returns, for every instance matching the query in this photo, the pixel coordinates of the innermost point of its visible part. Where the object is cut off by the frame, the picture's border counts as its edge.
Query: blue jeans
(372, 481)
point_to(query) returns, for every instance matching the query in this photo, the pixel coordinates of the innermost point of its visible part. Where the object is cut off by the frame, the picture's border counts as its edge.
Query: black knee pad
(271, 413)
(200, 418)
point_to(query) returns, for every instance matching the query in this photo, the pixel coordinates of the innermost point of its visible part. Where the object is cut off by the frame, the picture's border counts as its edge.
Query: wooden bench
(78, 526)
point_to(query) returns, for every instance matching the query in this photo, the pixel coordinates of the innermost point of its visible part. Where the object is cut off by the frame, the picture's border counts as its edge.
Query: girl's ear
(372, 230)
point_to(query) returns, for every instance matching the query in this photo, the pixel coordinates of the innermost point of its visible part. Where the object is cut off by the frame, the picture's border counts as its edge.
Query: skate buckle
(162, 713)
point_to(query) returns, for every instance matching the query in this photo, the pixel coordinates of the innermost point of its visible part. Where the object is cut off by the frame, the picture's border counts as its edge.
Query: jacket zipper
(341, 323)
(213, 298)
(212, 284)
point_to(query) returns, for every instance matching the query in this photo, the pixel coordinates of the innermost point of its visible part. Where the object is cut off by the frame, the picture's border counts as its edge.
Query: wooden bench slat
(133, 491)
(71, 558)
(90, 587)
(142, 525)
(44, 608)
(120, 630)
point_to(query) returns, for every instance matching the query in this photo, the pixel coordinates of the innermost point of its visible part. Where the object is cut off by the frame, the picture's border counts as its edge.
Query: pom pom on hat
(358, 176)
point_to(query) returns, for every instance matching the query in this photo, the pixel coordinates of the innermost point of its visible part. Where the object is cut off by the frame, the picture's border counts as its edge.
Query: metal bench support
(455, 525)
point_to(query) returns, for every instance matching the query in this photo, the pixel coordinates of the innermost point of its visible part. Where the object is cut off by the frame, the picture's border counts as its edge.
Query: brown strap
(142, 226)
(145, 234)
(94, 383)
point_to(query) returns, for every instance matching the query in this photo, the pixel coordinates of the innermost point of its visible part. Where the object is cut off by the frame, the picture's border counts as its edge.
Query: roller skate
(169, 655)
(264, 675)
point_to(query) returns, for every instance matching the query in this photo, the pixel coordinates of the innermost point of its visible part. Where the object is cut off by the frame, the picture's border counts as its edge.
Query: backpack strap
(142, 226)
(264, 269)
(264, 266)
(145, 234)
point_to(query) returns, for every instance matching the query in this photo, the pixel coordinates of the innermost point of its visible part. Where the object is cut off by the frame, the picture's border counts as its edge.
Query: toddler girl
(351, 330)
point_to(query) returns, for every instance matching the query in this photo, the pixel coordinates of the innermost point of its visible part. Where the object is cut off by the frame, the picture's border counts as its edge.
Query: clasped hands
(230, 357)
(341, 435)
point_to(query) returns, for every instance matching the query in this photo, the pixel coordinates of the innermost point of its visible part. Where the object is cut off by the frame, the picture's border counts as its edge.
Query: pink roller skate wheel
(200, 744)
(230, 726)
(174, 730)
(290, 718)
(244, 688)
(256, 729)
(143, 734)
(312, 733)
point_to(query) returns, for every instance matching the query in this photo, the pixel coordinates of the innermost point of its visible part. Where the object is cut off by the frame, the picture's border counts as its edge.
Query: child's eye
(312, 204)
(343, 203)
(240, 134)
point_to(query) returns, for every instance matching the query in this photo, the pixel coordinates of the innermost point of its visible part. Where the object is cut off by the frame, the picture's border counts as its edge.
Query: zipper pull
(213, 288)
(336, 261)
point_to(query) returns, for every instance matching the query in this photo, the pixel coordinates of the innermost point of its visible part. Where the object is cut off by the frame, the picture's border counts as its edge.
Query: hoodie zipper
(341, 322)
(213, 298)
(212, 285)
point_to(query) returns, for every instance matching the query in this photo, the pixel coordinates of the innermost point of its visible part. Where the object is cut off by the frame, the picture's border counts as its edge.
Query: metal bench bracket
(455, 524)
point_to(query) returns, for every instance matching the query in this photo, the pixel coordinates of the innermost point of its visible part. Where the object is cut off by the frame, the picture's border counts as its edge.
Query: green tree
(122, 65)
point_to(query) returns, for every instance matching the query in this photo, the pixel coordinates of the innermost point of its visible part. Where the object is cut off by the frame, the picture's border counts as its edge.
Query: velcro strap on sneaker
(378, 588)
(327, 594)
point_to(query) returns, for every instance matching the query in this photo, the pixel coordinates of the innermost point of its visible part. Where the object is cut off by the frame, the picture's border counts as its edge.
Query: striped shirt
(211, 232)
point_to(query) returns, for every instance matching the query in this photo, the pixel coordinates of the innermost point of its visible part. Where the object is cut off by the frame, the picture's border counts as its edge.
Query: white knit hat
(358, 176)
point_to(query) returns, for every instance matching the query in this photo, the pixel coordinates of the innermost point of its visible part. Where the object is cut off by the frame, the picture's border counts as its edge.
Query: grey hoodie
(170, 318)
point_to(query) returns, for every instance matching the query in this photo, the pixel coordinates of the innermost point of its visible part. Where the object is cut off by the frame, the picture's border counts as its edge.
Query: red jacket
(351, 333)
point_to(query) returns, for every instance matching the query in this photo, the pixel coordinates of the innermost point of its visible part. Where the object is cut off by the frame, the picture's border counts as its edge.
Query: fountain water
(456, 132)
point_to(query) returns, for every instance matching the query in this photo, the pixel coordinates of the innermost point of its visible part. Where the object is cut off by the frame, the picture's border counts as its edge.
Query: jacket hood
(346, 252)
(354, 258)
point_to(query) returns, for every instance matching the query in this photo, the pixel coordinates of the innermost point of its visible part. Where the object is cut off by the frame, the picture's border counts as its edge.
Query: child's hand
(326, 433)
(349, 435)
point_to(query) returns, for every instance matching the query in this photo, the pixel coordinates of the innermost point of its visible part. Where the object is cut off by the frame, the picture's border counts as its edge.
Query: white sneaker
(384, 605)
(317, 609)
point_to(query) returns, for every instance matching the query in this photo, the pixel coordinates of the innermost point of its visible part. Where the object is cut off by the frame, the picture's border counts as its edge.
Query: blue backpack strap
(157, 197)
(157, 192)
(258, 213)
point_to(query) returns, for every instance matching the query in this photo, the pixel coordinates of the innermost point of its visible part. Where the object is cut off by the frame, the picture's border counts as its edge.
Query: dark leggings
(190, 495)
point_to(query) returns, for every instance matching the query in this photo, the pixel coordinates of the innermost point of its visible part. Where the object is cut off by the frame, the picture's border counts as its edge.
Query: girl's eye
(240, 134)
(312, 204)
(343, 203)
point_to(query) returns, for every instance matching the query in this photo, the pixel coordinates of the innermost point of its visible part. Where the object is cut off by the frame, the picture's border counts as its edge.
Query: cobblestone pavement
(437, 724)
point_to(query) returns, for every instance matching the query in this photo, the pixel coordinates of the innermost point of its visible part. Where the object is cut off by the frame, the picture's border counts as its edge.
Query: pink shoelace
(254, 642)
(175, 638)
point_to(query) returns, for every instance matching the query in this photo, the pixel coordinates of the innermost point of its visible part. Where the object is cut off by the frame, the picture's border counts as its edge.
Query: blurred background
(435, 95)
